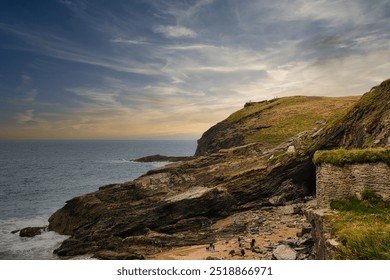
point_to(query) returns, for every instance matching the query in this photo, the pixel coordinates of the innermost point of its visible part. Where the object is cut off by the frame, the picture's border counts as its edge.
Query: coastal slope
(260, 156)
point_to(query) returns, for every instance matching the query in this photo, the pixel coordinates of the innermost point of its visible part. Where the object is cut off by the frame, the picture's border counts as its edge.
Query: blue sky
(151, 69)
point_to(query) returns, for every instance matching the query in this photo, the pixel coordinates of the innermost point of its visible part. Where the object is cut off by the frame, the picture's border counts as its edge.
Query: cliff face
(366, 125)
(259, 156)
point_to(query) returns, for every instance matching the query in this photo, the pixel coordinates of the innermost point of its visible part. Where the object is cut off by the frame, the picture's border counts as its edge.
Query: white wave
(122, 160)
(12, 246)
(159, 163)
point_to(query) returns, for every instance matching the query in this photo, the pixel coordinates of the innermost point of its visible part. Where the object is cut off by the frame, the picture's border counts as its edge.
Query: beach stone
(291, 149)
(209, 258)
(284, 252)
(306, 230)
(277, 200)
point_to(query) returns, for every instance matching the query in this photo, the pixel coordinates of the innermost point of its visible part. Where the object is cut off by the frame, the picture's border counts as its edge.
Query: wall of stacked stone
(335, 182)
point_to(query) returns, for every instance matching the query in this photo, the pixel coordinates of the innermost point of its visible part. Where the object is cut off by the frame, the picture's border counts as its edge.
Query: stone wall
(335, 182)
(321, 230)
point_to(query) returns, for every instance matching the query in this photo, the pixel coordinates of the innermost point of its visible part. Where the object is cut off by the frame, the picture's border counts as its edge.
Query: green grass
(250, 110)
(289, 116)
(285, 128)
(362, 227)
(341, 157)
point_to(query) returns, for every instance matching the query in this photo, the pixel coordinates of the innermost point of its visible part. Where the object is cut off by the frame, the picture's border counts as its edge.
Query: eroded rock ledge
(172, 205)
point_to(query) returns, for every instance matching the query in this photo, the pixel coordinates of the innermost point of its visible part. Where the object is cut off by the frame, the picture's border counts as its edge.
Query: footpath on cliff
(240, 197)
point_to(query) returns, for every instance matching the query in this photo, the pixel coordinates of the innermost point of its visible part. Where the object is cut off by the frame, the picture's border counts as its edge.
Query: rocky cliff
(259, 157)
(366, 125)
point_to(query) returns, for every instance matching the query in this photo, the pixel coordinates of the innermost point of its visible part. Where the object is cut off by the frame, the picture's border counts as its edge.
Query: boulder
(112, 255)
(291, 149)
(31, 231)
(284, 252)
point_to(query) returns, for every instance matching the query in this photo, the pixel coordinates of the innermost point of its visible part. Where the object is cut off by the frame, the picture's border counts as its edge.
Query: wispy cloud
(62, 48)
(147, 68)
(103, 97)
(175, 31)
(25, 117)
(130, 42)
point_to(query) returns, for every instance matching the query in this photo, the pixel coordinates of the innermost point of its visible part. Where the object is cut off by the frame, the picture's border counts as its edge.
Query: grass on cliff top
(362, 227)
(341, 157)
(289, 116)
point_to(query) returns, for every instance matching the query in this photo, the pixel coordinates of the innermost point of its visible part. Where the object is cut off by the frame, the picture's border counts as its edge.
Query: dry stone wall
(335, 182)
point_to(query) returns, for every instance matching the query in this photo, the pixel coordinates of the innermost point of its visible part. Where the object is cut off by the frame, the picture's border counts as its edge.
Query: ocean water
(38, 177)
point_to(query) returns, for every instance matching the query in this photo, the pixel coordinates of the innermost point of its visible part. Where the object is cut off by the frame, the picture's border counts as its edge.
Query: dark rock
(366, 125)
(304, 241)
(31, 231)
(161, 158)
(111, 255)
(298, 249)
(169, 200)
(297, 209)
(209, 258)
(306, 230)
(277, 200)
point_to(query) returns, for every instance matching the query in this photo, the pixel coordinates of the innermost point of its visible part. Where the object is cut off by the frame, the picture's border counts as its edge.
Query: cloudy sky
(154, 69)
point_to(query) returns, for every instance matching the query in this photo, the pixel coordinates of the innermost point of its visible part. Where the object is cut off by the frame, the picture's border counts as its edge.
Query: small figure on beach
(212, 247)
(242, 252)
(253, 244)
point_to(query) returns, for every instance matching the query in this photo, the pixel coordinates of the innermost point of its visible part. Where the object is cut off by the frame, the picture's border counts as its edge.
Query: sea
(38, 177)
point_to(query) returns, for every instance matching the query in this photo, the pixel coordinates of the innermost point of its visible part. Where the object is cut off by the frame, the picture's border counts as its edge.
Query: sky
(153, 69)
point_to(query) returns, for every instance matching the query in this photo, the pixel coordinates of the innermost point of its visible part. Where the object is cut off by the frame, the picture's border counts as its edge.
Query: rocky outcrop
(366, 125)
(180, 204)
(31, 231)
(210, 142)
(181, 199)
(161, 158)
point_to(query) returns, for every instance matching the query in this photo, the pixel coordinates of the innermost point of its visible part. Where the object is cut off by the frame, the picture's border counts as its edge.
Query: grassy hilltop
(273, 122)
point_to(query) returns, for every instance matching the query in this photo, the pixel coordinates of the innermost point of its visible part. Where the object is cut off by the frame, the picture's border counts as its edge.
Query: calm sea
(37, 177)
